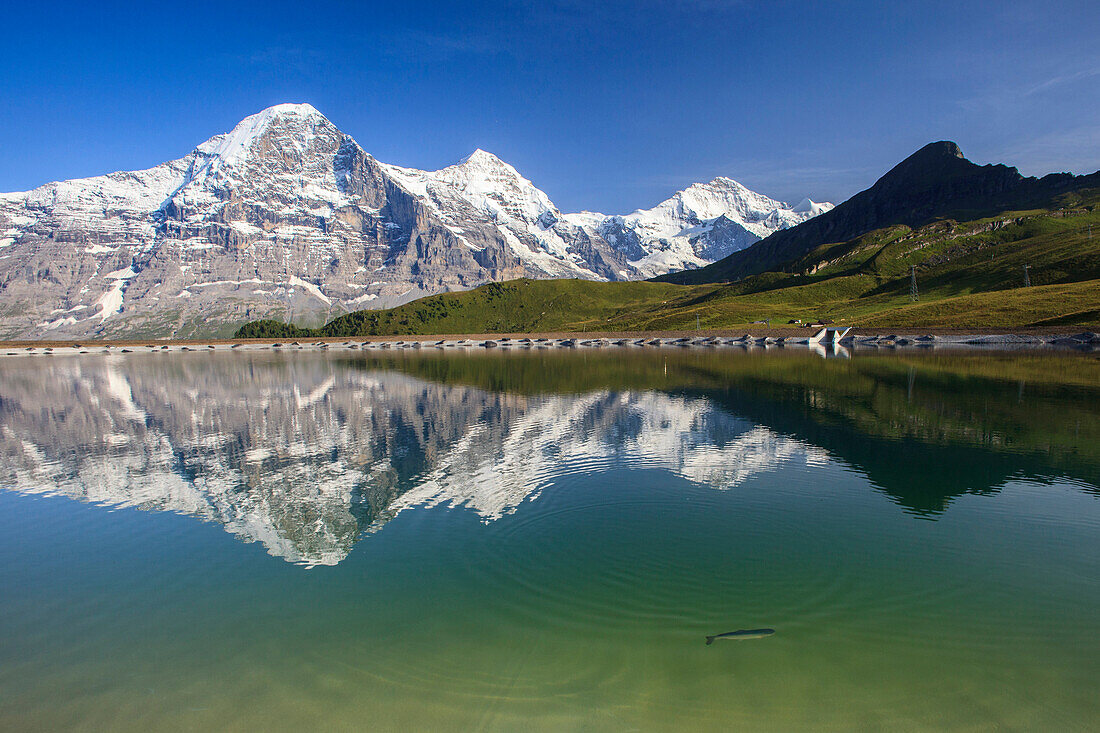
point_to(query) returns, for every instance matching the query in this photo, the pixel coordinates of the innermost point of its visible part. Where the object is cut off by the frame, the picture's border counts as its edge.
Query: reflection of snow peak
(560, 436)
(303, 455)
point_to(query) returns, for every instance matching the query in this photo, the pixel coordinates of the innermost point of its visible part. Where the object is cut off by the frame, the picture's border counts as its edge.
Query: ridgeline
(936, 242)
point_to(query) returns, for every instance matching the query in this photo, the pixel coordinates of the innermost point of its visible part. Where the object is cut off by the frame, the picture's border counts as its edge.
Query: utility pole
(913, 294)
(1027, 277)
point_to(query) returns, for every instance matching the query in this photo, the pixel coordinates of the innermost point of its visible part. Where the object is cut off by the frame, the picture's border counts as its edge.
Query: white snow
(244, 227)
(310, 288)
(670, 232)
(231, 148)
(124, 274)
(111, 301)
(806, 206)
(64, 321)
(485, 189)
(99, 249)
(482, 201)
(366, 297)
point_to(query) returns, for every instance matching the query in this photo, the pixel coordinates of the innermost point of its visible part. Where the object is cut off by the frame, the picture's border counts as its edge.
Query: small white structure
(829, 336)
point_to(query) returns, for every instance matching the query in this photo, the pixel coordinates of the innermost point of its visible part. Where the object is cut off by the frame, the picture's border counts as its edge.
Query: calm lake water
(541, 541)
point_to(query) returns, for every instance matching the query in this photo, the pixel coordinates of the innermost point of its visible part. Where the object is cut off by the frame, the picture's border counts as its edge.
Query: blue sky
(608, 106)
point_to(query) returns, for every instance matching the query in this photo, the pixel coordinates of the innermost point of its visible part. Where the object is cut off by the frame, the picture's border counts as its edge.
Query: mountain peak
(481, 164)
(723, 182)
(484, 159)
(287, 211)
(291, 108)
(282, 114)
(939, 150)
(934, 183)
(805, 206)
(935, 156)
(933, 163)
(235, 144)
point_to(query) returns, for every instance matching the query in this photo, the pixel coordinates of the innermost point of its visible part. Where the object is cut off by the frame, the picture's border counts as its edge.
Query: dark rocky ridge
(936, 182)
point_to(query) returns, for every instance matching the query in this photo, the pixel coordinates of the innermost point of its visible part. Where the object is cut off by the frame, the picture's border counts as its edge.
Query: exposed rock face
(695, 226)
(287, 217)
(936, 182)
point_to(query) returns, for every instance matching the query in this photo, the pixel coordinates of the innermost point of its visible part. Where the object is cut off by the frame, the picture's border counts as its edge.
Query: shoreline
(866, 339)
(1046, 334)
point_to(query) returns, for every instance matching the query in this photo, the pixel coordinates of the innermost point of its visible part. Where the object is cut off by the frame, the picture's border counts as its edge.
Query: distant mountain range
(971, 239)
(936, 182)
(287, 217)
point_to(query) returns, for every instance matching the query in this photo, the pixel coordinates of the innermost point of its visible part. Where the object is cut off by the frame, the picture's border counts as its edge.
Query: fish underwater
(741, 634)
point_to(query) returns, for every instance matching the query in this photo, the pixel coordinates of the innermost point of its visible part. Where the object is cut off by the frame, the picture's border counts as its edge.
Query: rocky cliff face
(936, 182)
(287, 217)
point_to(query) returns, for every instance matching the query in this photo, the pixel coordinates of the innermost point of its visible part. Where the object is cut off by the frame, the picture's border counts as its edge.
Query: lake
(542, 540)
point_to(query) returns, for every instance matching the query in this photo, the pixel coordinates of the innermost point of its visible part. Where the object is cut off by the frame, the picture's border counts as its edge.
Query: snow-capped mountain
(286, 216)
(304, 454)
(695, 227)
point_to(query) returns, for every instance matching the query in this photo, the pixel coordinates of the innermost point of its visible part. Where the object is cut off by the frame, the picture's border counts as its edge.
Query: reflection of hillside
(303, 453)
(924, 438)
(921, 475)
(924, 428)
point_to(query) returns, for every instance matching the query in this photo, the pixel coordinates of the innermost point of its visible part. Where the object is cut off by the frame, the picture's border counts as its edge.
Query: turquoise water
(543, 541)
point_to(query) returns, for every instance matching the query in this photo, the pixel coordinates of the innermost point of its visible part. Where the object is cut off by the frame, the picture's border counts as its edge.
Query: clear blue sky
(609, 106)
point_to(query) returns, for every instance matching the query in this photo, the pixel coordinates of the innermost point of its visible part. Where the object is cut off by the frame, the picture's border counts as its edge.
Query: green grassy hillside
(934, 184)
(969, 275)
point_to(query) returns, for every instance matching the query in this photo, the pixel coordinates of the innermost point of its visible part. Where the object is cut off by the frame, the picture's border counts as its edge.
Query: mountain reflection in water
(305, 452)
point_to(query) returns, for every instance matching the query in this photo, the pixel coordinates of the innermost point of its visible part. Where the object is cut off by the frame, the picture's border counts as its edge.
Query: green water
(542, 541)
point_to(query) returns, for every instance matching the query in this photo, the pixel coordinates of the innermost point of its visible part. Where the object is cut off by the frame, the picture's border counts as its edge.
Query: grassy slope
(970, 275)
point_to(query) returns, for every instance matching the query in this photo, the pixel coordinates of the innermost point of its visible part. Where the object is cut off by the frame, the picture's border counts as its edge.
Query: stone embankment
(1086, 341)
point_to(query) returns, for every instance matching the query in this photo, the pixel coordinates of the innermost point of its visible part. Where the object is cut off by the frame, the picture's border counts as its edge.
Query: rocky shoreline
(1085, 341)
